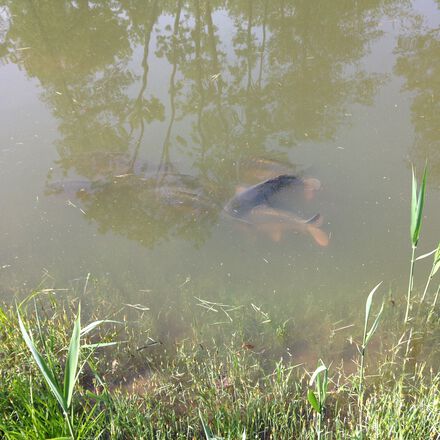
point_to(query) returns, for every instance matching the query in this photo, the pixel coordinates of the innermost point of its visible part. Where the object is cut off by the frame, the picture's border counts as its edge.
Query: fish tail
(318, 235)
(316, 220)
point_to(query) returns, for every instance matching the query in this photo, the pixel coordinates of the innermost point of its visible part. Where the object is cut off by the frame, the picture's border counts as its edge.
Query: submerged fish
(275, 223)
(178, 193)
(266, 193)
(71, 188)
(256, 206)
(256, 169)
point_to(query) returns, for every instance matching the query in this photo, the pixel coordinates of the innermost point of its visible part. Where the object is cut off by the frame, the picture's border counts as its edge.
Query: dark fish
(261, 194)
(257, 208)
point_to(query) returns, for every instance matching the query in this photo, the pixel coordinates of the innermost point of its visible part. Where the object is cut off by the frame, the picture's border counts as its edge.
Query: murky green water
(127, 126)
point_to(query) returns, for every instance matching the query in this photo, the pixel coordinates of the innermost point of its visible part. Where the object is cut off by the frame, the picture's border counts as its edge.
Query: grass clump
(225, 390)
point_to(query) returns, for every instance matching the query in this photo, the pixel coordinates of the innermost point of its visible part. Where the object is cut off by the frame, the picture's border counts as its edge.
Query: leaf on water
(138, 307)
(88, 328)
(101, 344)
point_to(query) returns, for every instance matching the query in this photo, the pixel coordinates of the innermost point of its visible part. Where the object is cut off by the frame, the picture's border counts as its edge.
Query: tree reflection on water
(246, 79)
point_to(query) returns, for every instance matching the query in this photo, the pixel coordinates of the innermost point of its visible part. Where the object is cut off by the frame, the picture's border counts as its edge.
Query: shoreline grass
(237, 392)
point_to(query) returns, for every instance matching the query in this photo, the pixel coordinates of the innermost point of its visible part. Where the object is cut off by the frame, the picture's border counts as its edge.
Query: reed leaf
(208, 433)
(428, 254)
(313, 400)
(42, 365)
(434, 269)
(374, 326)
(316, 373)
(436, 264)
(417, 204)
(89, 327)
(368, 310)
(100, 344)
(72, 360)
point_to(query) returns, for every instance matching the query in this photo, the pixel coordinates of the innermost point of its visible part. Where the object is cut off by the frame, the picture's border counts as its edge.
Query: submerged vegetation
(224, 390)
(213, 389)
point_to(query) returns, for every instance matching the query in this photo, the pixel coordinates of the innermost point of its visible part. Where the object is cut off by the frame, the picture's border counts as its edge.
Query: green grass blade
(436, 265)
(208, 433)
(316, 372)
(313, 400)
(45, 370)
(422, 257)
(100, 344)
(72, 360)
(418, 213)
(368, 307)
(60, 438)
(323, 388)
(88, 328)
(374, 326)
(413, 204)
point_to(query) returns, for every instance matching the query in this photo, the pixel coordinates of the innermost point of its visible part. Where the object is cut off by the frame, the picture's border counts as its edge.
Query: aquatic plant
(62, 391)
(417, 204)
(317, 399)
(236, 390)
(367, 335)
(434, 268)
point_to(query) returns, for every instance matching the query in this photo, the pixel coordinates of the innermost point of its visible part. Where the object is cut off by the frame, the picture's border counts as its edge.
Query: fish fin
(316, 220)
(276, 234)
(318, 235)
(311, 185)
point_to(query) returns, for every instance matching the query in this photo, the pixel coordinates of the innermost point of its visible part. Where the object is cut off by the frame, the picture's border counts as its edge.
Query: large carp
(275, 222)
(256, 207)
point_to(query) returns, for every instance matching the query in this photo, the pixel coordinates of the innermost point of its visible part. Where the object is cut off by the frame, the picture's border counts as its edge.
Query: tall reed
(367, 335)
(417, 204)
(317, 400)
(434, 269)
(62, 390)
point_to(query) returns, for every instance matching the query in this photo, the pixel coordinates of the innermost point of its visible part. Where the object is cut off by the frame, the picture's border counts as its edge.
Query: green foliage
(368, 335)
(417, 204)
(47, 372)
(317, 399)
(229, 388)
(434, 269)
(64, 393)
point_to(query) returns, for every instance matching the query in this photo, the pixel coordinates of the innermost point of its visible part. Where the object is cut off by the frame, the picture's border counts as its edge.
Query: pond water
(127, 126)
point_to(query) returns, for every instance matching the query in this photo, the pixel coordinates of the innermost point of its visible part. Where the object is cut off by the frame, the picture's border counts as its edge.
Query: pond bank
(228, 387)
